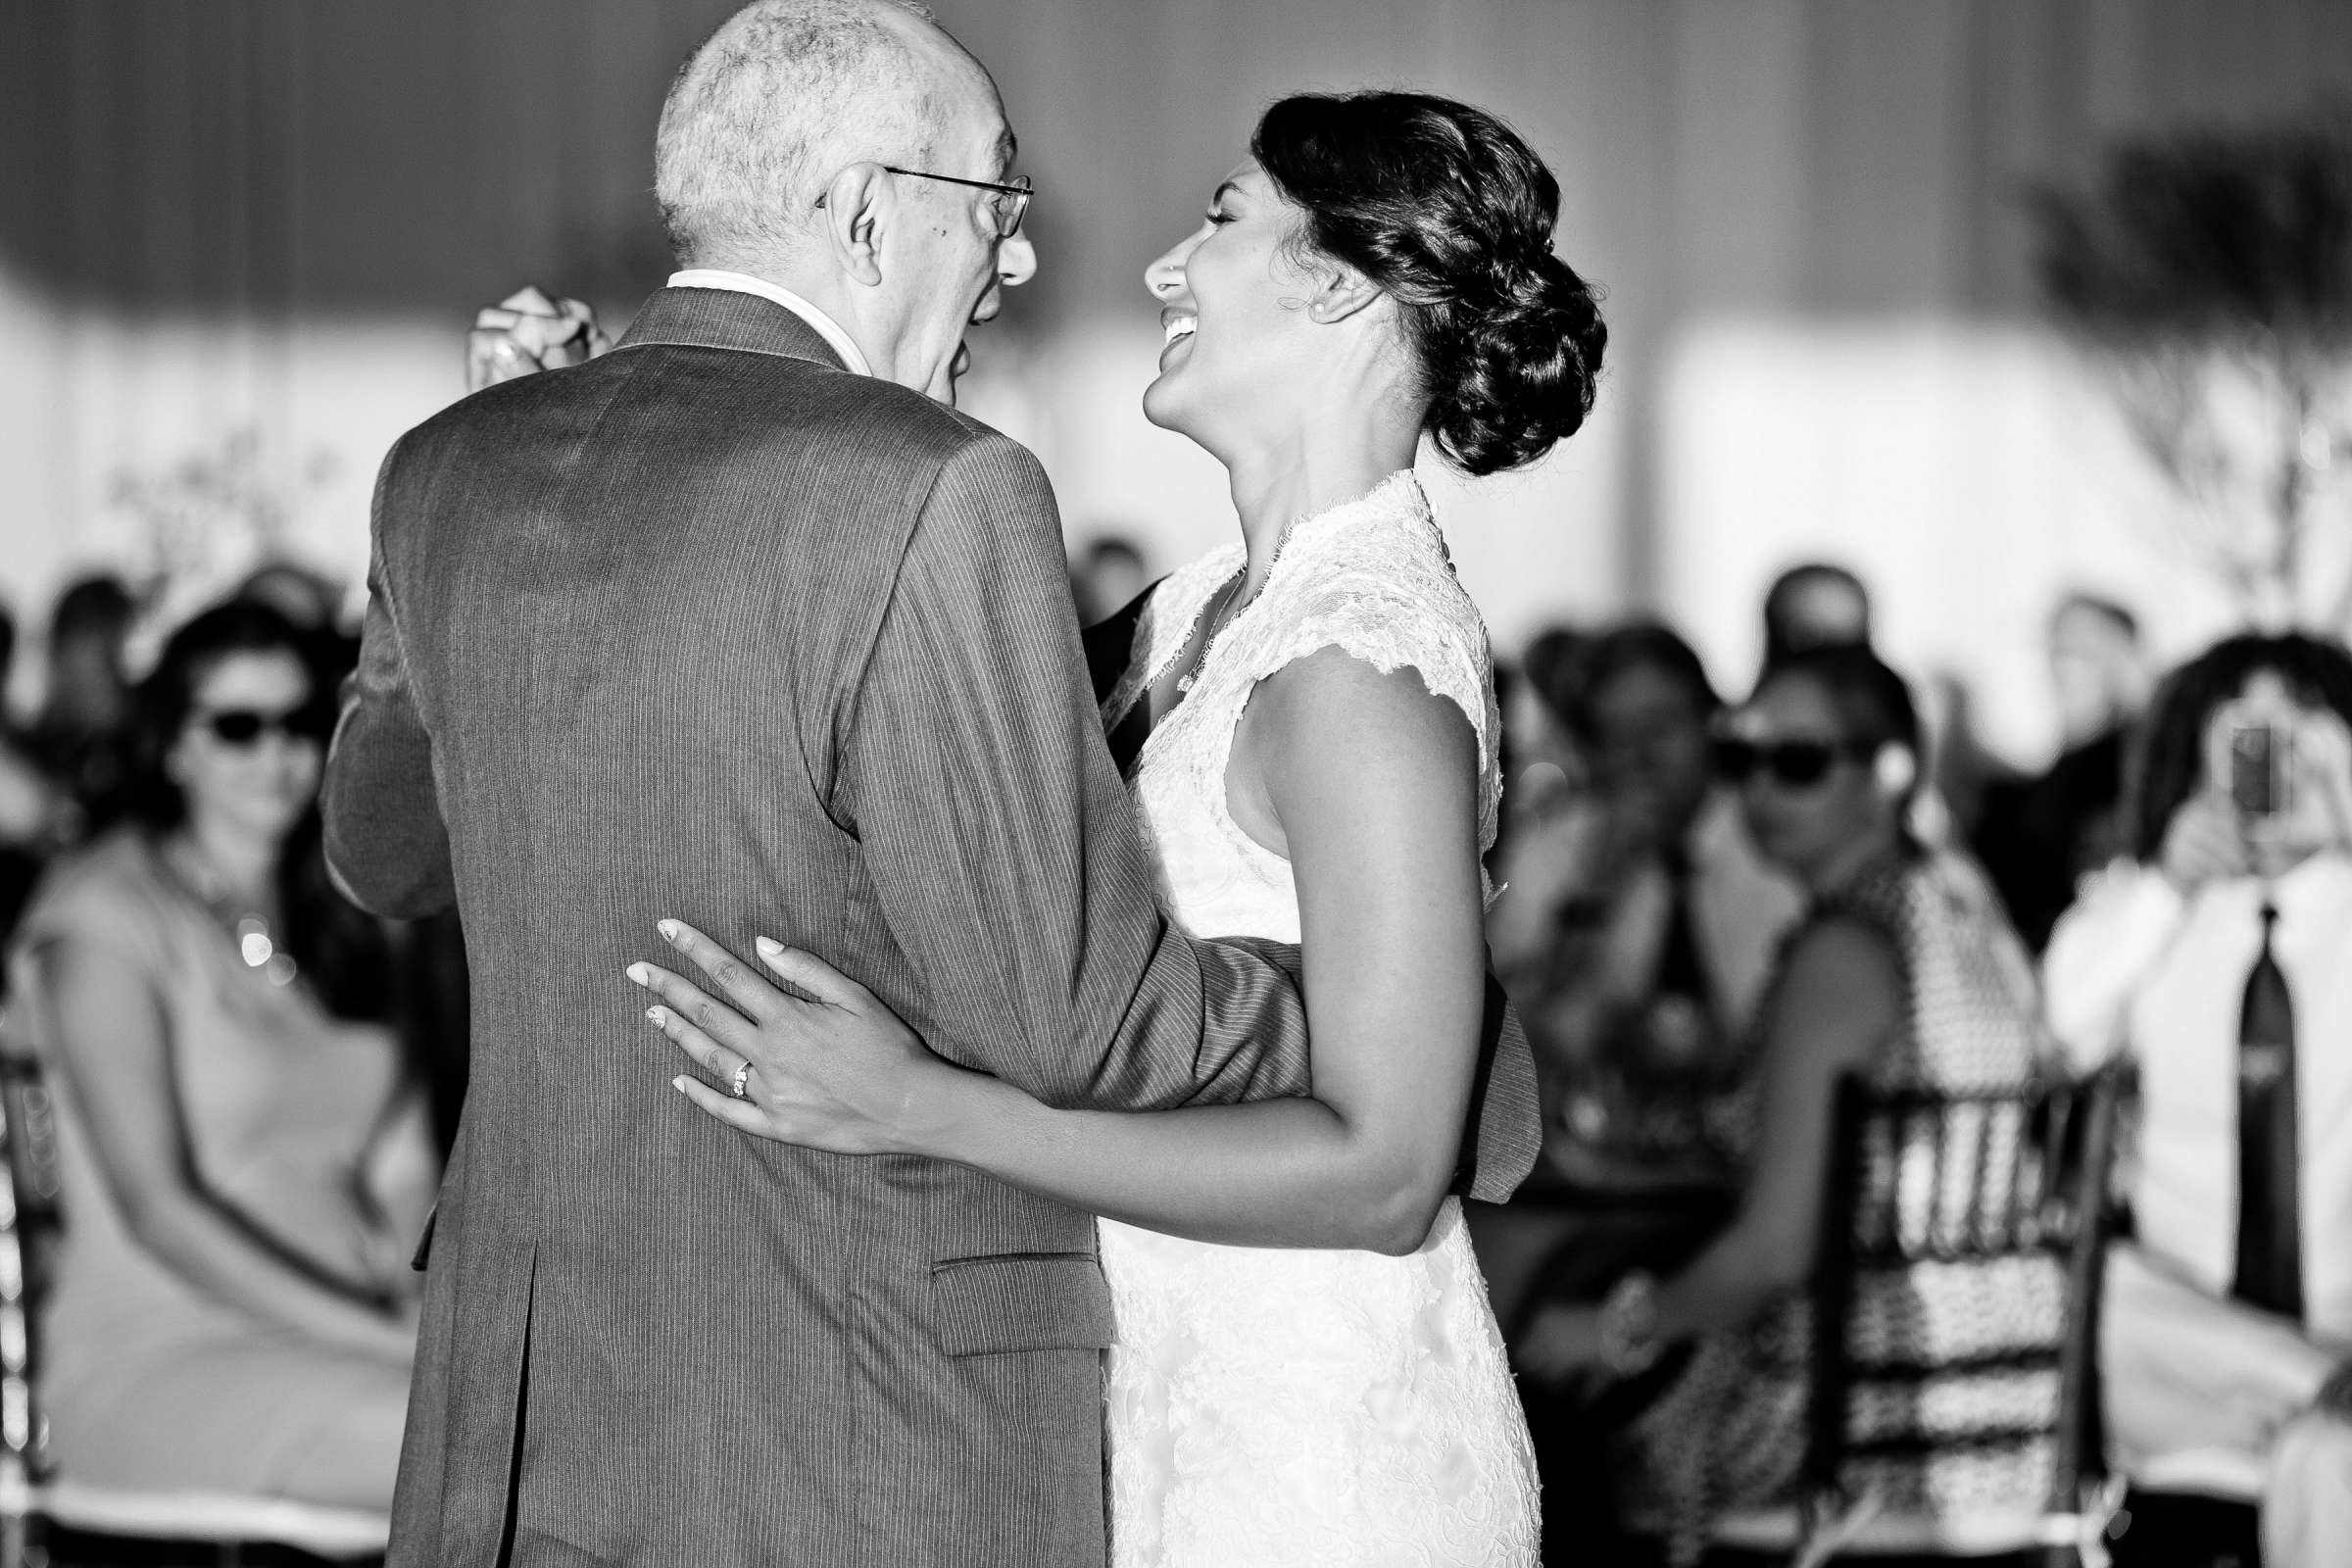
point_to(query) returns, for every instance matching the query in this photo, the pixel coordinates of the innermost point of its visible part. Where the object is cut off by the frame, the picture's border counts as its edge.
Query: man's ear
(1340, 292)
(855, 210)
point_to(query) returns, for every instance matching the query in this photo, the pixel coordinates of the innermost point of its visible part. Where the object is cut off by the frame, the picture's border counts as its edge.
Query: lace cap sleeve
(1393, 620)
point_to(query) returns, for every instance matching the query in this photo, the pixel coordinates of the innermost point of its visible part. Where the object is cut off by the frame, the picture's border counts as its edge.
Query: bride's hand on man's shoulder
(830, 1068)
(529, 331)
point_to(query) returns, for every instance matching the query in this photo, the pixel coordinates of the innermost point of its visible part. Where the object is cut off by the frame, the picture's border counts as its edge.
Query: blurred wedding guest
(304, 596)
(1814, 605)
(1551, 672)
(1543, 755)
(1634, 928)
(246, 1170)
(2039, 837)
(429, 959)
(1107, 575)
(80, 736)
(1670, 918)
(1550, 811)
(1902, 972)
(313, 602)
(30, 816)
(2220, 960)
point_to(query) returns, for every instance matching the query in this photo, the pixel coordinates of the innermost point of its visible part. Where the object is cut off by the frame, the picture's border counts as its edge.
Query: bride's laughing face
(1233, 311)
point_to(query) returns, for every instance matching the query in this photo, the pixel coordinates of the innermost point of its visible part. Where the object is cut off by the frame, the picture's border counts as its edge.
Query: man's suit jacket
(710, 628)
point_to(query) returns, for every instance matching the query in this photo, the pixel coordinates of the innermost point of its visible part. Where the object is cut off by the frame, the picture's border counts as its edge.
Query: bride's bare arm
(1371, 784)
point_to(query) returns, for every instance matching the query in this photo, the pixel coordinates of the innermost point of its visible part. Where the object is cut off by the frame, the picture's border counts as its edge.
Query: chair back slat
(1923, 1180)
(2093, 1134)
(30, 1216)
(1986, 1220)
(1844, 1233)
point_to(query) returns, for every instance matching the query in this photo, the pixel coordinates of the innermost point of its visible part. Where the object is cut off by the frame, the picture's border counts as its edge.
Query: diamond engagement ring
(740, 1086)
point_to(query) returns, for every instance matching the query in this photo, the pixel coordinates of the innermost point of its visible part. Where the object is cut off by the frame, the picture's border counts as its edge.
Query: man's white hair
(782, 96)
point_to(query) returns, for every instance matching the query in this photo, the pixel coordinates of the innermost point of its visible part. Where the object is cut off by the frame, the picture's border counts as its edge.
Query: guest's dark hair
(1648, 644)
(1780, 631)
(1554, 669)
(2167, 756)
(1444, 208)
(1873, 704)
(342, 951)
(98, 604)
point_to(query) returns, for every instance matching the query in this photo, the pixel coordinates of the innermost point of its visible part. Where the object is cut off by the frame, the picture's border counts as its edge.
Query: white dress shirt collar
(745, 283)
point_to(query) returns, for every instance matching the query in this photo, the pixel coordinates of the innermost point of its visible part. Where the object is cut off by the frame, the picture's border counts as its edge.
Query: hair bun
(1446, 209)
(1514, 368)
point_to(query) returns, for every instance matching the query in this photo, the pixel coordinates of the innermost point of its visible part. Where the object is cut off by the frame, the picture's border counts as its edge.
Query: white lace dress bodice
(1338, 1409)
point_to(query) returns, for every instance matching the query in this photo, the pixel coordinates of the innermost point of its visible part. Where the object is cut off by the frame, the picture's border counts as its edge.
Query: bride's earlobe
(1340, 295)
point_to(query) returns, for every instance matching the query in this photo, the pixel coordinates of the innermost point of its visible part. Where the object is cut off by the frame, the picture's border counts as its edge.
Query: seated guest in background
(1901, 971)
(1547, 775)
(1815, 604)
(2039, 837)
(1546, 780)
(1635, 930)
(1819, 605)
(307, 597)
(1641, 937)
(31, 814)
(1555, 667)
(1547, 784)
(2221, 961)
(81, 733)
(246, 1168)
(1107, 575)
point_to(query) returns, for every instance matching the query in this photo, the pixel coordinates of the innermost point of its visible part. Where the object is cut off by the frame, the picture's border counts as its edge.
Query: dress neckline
(1399, 495)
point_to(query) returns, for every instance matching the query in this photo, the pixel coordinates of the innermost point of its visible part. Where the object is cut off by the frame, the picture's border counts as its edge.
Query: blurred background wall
(240, 241)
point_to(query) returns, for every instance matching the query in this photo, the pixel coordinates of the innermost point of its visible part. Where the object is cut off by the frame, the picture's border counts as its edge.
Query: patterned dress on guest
(1728, 1432)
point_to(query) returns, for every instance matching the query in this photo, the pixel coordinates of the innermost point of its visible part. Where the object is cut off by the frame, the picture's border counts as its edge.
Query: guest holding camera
(244, 1159)
(79, 735)
(2220, 961)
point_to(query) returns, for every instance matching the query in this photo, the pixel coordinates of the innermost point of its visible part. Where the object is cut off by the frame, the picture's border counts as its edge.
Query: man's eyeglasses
(1010, 206)
(241, 727)
(1791, 764)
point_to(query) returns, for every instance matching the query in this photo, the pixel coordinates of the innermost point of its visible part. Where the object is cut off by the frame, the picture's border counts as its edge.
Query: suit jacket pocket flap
(1021, 1301)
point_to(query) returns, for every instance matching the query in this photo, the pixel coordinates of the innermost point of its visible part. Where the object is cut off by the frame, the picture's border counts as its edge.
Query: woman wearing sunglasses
(1904, 970)
(244, 1161)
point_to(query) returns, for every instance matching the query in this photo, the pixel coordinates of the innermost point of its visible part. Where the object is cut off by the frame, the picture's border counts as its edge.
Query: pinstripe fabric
(710, 627)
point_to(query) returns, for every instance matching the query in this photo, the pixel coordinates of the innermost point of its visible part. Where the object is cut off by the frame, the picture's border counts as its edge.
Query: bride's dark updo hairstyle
(1448, 212)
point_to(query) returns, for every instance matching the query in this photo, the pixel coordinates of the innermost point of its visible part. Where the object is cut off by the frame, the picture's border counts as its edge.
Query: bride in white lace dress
(1304, 1406)
(1308, 1372)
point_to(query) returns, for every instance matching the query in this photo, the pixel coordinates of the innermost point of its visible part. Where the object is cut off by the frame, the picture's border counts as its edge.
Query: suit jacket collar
(724, 319)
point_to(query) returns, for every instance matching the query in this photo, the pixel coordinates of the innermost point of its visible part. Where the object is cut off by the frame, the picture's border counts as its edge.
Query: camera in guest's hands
(2262, 770)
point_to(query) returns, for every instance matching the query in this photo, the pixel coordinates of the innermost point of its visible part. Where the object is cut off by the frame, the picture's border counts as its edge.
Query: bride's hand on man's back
(529, 331)
(840, 1072)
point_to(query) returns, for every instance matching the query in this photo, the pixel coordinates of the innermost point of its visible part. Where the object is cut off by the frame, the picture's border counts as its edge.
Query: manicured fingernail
(668, 930)
(768, 947)
(640, 973)
(679, 1083)
(659, 1018)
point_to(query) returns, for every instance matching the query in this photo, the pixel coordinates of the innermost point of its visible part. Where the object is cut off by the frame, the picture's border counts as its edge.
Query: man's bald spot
(957, 68)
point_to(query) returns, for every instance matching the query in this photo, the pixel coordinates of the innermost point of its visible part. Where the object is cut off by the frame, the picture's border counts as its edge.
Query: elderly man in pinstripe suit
(743, 622)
